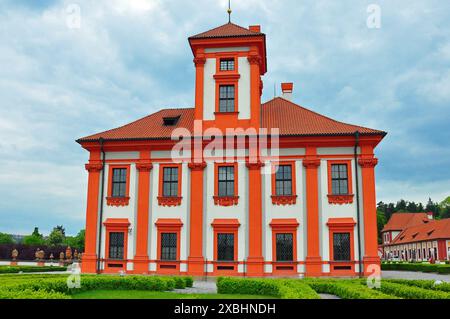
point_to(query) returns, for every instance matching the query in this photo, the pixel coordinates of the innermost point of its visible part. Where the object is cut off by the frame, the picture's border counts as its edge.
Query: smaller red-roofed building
(416, 237)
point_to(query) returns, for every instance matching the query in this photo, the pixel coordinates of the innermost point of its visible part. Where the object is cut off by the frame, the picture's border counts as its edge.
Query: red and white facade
(416, 237)
(228, 212)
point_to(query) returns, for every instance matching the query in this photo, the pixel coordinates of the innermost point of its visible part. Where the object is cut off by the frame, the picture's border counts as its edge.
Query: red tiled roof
(401, 221)
(290, 118)
(226, 31)
(434, 229)
(293, 119)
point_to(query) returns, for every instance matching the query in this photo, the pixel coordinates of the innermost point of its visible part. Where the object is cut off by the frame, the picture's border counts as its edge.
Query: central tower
(229, 62)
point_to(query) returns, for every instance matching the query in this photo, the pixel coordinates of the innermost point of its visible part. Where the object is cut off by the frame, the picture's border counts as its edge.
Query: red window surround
(284, 199)
(342, 225)
(118, 201)
(118, 225)
(226, 226)
(227, 78)
(284, 226)
(342, 198)
(225, 200)
(169, 200)
(168, 225)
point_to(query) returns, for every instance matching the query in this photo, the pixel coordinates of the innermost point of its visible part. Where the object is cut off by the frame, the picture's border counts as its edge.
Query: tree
(401, 206)
(76, 241)
(444, 208)
(381, 221)
(35, 238)
(6, 239)
(411, 207)
(56, 237)
(61, 229)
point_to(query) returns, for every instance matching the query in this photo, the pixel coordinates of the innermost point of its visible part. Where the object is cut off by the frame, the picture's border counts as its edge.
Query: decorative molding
(311, 163)
(256, 165)
(93, 167)
(169, 200)
(340, 199)
(117, 201)
(197, 166)
(284, 200)
(368, 162)
(144, 167)
(226, 200)
(199, 60)
(254, 59)
(227, 76)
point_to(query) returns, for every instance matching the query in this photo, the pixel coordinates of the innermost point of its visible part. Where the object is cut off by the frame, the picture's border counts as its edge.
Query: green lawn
(142, 294)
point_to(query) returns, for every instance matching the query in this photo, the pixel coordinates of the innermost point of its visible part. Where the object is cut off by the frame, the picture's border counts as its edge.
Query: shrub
(425, 284)
(281, 288)
(189, 281)
(346, 289)
(443, 269)
(57, 286)
(412, 292)
(17, 269)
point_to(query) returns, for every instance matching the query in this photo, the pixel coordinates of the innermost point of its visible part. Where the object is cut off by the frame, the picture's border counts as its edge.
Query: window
(285, 251)
(119, 182)
(168, 246)
(170, 181)
(225, 247)
(170, 121)
(226, 64)
(226, 98)
(226, 181)
(283, 180)
(116, 245)
(339, 179)
(341, 247)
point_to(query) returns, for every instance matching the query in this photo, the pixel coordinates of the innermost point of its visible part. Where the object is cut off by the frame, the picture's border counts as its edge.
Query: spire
(229, 11)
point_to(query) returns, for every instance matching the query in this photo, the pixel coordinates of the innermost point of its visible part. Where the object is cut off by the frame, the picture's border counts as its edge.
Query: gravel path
(328, 296)
(199, 287)
(391, 274)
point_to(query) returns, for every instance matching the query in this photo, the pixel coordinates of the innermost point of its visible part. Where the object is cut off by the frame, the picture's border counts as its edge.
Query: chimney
(430, 215)
(255, 28)
(287, 89)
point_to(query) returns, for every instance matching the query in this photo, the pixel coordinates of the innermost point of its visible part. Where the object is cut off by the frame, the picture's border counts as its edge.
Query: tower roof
(228, 30)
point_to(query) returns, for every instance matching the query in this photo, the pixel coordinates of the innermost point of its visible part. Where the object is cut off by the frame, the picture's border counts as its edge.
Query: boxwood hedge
(423, 267)
(56, 287)
(29, 269)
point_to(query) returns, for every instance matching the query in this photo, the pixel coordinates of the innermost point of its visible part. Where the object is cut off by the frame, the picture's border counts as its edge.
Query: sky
(72, 68)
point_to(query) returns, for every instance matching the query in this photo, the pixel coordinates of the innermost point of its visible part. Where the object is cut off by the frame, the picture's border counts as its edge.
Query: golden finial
(229, 11)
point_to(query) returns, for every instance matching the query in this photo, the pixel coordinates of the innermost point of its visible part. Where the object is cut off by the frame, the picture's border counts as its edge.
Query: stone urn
(14, 254)
(40, 256)
(68, 253)
(51, 257)
(75, 254)
(36, 254)
(61, 259)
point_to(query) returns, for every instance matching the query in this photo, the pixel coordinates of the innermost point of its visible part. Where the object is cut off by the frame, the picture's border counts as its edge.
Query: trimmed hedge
(425, 284)
(412, 292)
(48, 287)
(439, 268)
(280, 288)
(346, 289)
(17, 269)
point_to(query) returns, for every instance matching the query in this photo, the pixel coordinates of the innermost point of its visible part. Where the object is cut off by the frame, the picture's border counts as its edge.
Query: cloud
(131, 58)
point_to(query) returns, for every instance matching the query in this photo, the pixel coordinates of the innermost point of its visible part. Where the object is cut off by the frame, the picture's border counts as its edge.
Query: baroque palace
(307, 207)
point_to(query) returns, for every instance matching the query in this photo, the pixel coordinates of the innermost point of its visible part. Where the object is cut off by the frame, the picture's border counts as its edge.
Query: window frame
(341, 225)
(284, 199)
(284, 226)
(168, 225)
(227, 60)
(228, 200)
(227, 98)
(226, 226)
(161, 241)
(340, 198)
(116, 225)
(228, 235)
(169, 200)
(286, 234)
(118, 200)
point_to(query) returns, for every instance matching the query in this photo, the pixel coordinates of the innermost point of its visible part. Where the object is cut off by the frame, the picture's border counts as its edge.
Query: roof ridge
(250, 32)
(319, 114)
